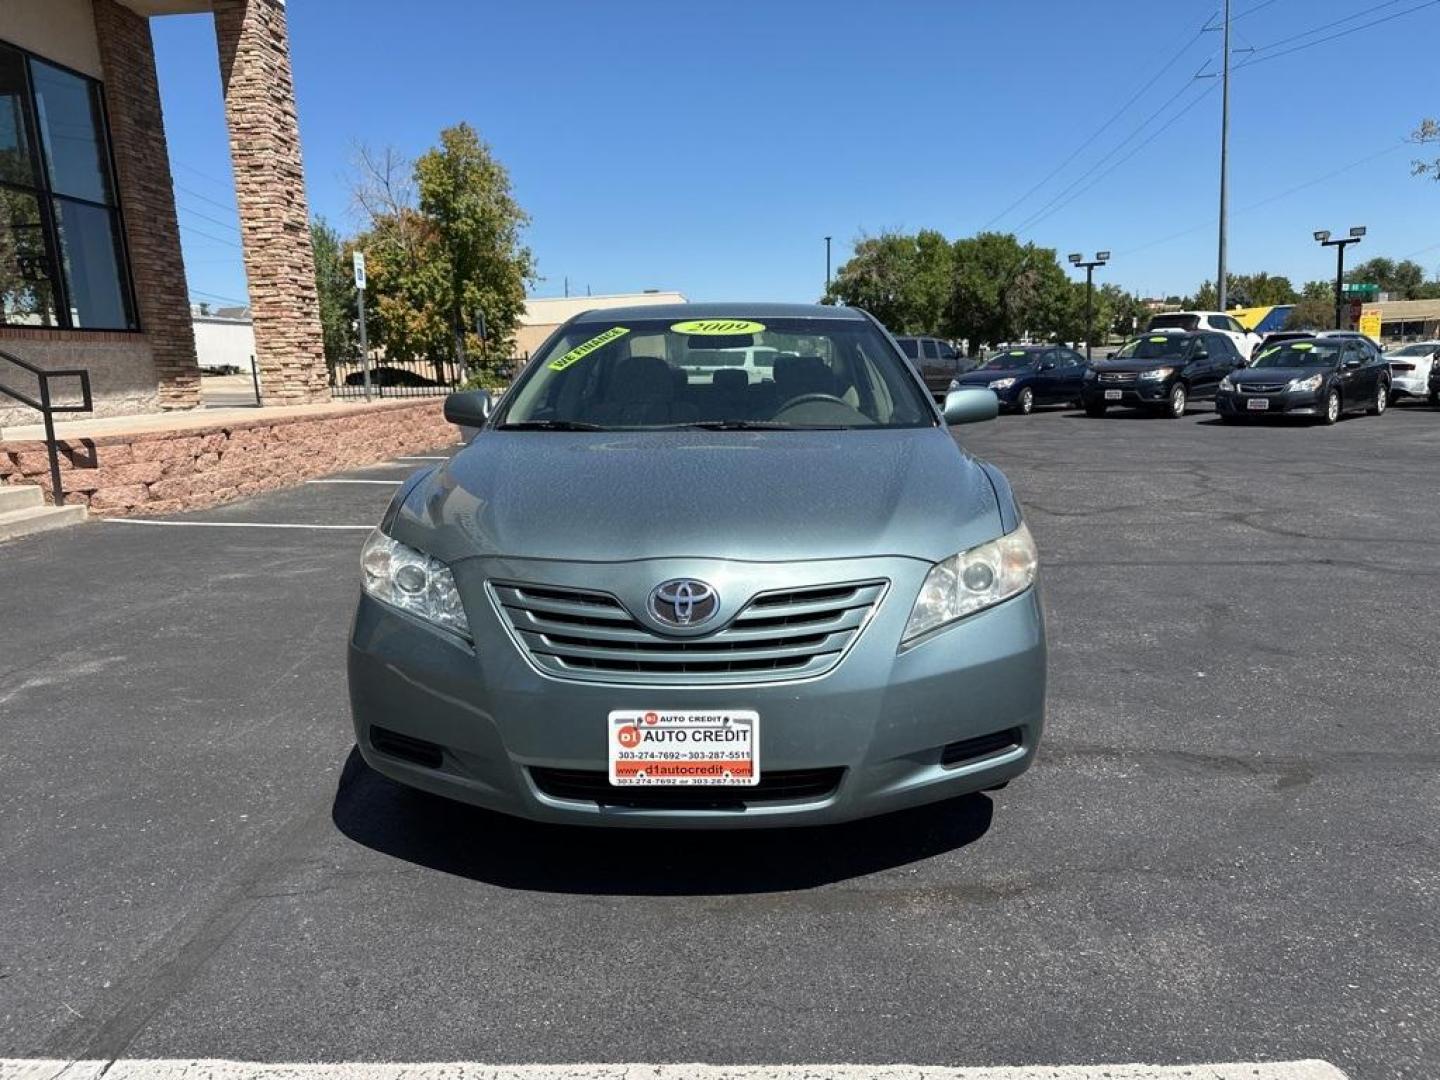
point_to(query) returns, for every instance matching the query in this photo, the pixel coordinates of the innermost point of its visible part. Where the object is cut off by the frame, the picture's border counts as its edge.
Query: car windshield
(1011, 359)
(1174, 322)
(1423, 348)
(771, 373)
(1153, 347)
(1291, 354)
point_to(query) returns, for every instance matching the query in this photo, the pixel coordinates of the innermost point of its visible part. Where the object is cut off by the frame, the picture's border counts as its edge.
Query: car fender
(1010, 515)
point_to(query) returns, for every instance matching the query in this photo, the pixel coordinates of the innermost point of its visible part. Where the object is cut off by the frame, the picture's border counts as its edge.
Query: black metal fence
(411, 378)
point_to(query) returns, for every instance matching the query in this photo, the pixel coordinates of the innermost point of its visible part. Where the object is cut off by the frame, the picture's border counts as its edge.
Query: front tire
(1381, 402)
(1025, 402)
(1179, 398)
(1095, 410)
(1333, 408)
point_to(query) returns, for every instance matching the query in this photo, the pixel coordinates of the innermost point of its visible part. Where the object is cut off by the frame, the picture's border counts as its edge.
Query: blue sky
(710, 147)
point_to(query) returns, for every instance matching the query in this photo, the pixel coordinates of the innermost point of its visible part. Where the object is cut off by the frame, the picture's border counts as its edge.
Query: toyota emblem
(684, 602)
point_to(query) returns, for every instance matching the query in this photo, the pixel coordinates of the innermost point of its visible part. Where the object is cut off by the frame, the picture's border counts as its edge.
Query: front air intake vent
(968, 750)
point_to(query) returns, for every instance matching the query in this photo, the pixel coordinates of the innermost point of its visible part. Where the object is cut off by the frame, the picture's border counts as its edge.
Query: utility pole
(827, 266)
(1220, 290)
(1101, 258)
(1340, 243)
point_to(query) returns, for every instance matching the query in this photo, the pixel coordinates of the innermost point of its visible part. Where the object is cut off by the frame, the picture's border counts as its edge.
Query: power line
(208, 236)
(1153, 136)
(1102, 128)
(1060, 199)
(207, 217)
(205, 198)
(1270, 199)
(228, 184)
(217, 296)
(1267, 55)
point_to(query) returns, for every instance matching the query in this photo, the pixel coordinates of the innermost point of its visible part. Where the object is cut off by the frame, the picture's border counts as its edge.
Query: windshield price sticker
(654, 748)
(581, 351)
(717, 327)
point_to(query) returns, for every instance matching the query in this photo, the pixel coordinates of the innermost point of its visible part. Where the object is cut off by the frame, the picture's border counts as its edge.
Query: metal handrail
(47, 407)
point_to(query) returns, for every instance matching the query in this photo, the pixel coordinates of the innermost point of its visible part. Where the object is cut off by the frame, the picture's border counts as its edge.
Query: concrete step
(19, 497)
(33, 519)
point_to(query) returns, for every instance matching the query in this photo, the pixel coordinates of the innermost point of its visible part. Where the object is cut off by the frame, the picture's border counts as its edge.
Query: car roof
(721, 311)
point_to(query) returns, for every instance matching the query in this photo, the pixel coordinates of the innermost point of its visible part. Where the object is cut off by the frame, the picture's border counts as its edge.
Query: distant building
(1408, 320)
(544, 314)
(224, 338)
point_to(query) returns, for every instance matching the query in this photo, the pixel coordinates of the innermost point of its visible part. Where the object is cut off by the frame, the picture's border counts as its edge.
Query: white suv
(1247, 341)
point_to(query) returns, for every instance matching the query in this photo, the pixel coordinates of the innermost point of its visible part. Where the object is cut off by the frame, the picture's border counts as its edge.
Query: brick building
(91, 272)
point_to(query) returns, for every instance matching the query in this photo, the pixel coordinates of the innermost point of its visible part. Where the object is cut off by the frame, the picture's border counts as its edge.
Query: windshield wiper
(549, 425)
(757, 425)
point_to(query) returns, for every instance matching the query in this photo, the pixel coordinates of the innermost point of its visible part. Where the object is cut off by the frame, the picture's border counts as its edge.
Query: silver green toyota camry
(704, 565)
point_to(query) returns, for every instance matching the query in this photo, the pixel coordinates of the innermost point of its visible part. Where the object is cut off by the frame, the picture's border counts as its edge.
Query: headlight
(1158, 373)
(972, 581)
(1312, 383)
(1227, 383)
(412, 581)
(1002, 384)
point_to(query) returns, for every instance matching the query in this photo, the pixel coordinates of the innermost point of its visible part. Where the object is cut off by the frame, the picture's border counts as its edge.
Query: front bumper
(1151, 392)
(1280, 403)
(882, 716)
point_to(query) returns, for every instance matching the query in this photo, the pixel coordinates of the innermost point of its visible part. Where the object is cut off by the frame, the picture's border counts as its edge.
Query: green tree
(443, 247)
(1260, 289)
(465, 194)
(1315, 309)
(1003, 290)
(1403, 279)
(336, 287)
(903, 280)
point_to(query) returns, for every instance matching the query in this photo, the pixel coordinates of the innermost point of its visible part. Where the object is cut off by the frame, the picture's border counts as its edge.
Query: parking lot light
(1340, 244)
(1077, 259)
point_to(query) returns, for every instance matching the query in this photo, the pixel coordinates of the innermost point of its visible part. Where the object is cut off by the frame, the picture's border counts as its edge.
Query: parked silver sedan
(649, 594)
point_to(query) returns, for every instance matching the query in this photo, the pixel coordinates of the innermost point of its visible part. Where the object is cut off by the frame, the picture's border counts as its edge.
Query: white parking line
(224, 525)
(392, 483)
(36, 1069)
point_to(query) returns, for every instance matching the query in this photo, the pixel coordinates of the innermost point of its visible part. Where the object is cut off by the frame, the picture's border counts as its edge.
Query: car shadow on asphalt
(455, 838)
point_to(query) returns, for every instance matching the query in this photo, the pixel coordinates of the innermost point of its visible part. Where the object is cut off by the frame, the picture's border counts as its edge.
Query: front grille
(585, 785)
(1262, 388)
(967, 750)
(1118, 376)
(794, 633)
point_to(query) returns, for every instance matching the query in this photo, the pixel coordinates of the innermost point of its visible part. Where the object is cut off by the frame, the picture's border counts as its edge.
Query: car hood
(763, 496)
(981, 378)
(1275, 374)
(1137, 365)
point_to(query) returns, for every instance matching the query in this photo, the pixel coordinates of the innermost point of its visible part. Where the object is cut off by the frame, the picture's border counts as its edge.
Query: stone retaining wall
(163, 472)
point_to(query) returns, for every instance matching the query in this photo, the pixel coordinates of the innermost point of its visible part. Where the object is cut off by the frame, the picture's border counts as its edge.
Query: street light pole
(1340, 243)
(1101, 258)
(827, 266)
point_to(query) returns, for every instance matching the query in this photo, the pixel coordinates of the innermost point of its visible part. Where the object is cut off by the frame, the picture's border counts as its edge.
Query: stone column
(270, 193)
(147, 200)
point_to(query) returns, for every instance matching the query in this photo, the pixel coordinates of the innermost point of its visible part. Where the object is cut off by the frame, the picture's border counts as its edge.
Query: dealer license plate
(693, 748)
(1258, 404)
(1114, 395)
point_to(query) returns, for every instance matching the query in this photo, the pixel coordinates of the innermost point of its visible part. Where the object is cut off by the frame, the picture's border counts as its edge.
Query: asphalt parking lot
(1227, 852)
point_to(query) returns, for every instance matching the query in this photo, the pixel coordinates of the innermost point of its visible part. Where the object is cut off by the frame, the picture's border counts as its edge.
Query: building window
(62, 251)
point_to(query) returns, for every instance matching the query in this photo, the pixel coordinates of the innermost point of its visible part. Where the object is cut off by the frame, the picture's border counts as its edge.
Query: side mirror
(468, 410)
(1353, 361)
(971, 406)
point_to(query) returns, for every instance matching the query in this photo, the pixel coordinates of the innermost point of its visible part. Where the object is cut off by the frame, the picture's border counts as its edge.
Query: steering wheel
(806, 399)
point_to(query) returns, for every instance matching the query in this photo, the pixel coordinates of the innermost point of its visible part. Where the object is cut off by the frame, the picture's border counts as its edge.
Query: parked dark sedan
(1029, 375)
(1320, 377)
(1163, 372)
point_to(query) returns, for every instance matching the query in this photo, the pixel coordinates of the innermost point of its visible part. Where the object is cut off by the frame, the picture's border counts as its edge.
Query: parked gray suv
(935, 359)
(650, 592)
